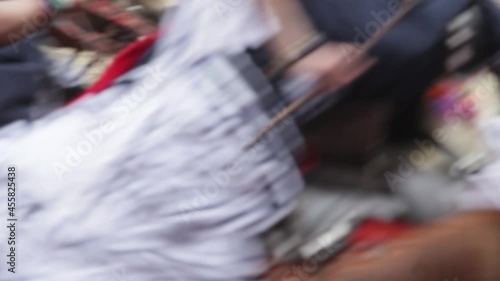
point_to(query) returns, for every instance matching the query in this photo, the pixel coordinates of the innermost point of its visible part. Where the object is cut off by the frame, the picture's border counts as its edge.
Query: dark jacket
(25, 83)
(411, 55)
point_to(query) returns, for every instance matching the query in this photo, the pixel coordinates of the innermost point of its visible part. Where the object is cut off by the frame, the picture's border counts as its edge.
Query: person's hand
(463, 248)
(335, 65)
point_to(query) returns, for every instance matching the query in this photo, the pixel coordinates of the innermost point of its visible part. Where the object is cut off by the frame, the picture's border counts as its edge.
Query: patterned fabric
(147, 180)
(112, 183)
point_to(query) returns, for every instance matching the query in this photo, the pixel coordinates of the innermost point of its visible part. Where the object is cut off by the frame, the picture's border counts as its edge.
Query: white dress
(146, 181)
(483, 188)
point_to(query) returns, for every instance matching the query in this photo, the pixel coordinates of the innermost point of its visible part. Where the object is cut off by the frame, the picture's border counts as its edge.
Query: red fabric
(375, 231)
(123, 62)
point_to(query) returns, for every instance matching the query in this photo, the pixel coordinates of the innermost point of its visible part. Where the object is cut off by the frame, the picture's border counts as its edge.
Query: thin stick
(287, 111)
(408, 6)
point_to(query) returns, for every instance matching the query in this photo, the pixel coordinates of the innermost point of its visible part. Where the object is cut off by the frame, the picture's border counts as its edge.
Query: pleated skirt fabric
(148, 181)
